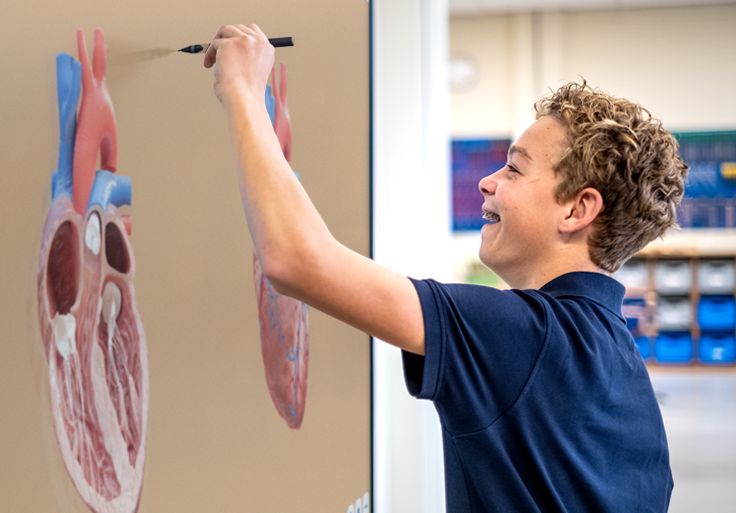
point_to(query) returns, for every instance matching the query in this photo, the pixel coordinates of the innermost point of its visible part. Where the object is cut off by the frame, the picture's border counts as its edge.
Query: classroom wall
(411, 232)
(676, 61)
(215, 440)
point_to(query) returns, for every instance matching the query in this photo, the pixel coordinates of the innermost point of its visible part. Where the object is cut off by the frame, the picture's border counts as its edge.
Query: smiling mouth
(491, 217)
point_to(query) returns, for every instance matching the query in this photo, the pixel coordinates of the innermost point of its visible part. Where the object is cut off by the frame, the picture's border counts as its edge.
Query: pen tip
(192, 49)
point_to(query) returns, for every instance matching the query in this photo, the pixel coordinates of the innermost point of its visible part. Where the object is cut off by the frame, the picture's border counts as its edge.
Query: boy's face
(521, 199)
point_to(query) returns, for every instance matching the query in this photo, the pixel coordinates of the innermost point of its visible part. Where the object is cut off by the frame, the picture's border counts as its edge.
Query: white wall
(411, 232)
(678, 62)
(483, 109)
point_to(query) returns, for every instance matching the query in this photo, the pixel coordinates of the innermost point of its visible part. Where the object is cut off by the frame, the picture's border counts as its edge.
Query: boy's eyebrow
(520, 150)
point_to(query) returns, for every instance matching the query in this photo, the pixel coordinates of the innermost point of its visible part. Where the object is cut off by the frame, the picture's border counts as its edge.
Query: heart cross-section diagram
(284, 321)
(90, 324)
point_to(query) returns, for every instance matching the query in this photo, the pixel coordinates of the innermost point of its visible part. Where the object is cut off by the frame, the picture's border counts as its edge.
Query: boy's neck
(536, 275)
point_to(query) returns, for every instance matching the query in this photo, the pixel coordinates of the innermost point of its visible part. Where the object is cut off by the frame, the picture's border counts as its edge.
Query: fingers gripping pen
(276, 42)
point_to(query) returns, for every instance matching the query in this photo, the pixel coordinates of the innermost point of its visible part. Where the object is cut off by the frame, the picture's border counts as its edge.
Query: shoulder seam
(524, 390)
(532, 375)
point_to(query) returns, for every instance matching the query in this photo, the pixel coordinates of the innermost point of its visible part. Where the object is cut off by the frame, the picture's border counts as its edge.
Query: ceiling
(469, 7)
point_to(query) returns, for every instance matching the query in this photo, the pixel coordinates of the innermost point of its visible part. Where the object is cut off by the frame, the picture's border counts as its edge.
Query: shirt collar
(597, 287)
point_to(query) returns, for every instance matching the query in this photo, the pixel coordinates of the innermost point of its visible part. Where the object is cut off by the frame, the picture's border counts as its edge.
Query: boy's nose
(487, 185)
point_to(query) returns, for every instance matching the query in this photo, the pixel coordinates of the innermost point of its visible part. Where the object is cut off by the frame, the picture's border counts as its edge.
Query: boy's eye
(512, 169)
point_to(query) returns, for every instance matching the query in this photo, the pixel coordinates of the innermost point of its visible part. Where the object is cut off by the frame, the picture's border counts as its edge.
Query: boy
(544, 400)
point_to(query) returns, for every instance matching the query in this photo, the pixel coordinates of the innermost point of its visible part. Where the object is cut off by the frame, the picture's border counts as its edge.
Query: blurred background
(473, 69)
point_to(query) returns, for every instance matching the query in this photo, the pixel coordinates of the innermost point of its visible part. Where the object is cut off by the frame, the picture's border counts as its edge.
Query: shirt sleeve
(481, 345)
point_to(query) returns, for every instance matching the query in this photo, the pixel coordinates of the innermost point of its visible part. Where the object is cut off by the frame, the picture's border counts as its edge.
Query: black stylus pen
(277, 42)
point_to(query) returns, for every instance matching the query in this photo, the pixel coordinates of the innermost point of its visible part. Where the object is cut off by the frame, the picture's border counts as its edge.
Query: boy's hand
(244, 59)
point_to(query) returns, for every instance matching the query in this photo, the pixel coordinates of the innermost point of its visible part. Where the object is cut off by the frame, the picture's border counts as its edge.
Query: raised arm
(299, 255)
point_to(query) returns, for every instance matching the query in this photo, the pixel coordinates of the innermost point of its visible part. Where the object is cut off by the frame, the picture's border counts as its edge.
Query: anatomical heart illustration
(90, 323)
(284, 321)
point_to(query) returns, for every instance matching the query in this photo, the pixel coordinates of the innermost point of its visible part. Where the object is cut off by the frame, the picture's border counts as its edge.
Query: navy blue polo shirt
(544, 400)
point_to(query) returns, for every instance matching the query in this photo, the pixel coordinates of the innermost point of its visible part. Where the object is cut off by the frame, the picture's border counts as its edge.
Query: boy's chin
(492, 265)
(505, 271)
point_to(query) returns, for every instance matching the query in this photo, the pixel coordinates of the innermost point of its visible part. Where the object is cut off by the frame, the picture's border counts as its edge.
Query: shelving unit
(664, 309)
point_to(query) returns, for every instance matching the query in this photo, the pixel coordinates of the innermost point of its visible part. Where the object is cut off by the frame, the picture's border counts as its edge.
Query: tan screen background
(215, 440)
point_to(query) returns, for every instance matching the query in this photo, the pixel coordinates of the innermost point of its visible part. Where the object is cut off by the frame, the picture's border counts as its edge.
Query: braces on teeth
(491, 216)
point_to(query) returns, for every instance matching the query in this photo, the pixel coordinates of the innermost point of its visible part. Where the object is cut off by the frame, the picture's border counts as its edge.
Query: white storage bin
(674, 313)
(673, 276)
(632, 275)
(716, 276)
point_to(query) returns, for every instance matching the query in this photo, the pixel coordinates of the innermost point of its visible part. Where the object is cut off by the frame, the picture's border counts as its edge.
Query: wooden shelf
(653, 366)
(705, 242)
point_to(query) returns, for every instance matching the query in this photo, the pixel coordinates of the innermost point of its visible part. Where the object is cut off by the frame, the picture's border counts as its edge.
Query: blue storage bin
(634, 306)
(717, 313)
(632, 324)
(644, 347)
(717, 348)
(674, 347)
(638, 318)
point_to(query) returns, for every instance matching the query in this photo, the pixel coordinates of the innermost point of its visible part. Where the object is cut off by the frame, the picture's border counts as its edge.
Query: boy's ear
(582, 210)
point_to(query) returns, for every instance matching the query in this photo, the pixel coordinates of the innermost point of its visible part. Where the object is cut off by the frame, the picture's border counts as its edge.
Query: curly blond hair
(618, 148)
